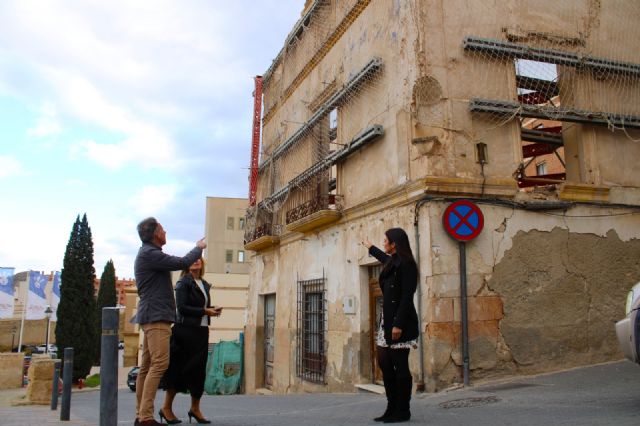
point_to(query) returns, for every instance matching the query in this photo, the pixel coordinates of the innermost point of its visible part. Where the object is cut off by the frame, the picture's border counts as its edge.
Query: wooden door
(269, 338)
(375, 309)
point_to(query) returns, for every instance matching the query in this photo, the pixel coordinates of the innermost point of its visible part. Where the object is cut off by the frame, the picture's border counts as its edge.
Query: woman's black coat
(398, 283)
(190, 301)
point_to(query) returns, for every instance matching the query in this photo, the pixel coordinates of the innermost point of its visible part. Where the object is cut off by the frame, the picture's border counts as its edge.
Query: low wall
(40, 380)
(34, 333)
(11, 365)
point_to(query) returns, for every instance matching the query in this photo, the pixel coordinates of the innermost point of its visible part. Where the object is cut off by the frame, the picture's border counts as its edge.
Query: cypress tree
(106, 297)
(76, 312)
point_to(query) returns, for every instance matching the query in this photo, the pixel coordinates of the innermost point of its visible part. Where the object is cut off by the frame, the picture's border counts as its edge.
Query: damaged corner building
(380, 114)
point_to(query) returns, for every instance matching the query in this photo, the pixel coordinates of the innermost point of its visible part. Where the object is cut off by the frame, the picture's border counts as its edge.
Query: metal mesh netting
(305, 139)
(548, 67)
(539, 69)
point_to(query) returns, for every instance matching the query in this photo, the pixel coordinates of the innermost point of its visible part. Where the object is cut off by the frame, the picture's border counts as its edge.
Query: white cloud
(163, 84)
(22, 253)
(146, 146)
(10, 166)
(178, 247)
(144, 143)
(153, 199)
(47, 124)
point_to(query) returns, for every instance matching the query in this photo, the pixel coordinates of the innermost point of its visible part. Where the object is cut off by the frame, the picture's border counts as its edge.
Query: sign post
(463, 221)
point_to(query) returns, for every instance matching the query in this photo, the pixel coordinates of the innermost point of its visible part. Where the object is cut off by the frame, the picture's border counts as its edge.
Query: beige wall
(34, 333)
(131, 332)
(220, 238)
(538, 281)
(230, 292)
(11, 370)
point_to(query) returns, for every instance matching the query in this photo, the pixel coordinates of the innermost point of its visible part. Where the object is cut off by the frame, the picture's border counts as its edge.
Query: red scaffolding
(255, 140)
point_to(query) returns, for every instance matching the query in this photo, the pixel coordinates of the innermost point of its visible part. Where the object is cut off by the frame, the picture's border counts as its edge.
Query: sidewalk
(604, 394)
(15, 410)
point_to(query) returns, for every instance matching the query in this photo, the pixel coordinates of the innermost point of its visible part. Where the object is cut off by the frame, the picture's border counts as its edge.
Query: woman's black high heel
(200, 420)
(172, 421)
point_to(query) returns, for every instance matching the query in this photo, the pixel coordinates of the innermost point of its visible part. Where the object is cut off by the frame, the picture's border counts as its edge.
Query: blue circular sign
(463, 220)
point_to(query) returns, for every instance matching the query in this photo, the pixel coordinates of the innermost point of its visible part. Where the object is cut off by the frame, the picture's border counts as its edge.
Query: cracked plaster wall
(338, 251)
(525, 271)
(544, 291)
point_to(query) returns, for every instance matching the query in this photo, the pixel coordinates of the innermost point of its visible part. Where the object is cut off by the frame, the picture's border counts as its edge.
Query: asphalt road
(607, 394)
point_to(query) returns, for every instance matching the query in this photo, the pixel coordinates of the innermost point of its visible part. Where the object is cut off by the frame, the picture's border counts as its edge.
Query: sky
(122, 110)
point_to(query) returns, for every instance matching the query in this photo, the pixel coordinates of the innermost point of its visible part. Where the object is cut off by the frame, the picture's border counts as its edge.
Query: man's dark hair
(147, 228)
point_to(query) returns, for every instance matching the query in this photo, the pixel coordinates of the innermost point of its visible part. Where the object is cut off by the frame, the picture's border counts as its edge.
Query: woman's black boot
(387, 413)
(390, 390)
(404, 387)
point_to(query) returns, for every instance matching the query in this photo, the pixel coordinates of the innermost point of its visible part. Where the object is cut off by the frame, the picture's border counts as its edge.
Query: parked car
(40, 349)
(132, 376)
(628, 329)
(28, 349)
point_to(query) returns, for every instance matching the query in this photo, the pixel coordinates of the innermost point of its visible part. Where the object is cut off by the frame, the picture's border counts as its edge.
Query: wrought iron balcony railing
(259, 231)
(323, 202)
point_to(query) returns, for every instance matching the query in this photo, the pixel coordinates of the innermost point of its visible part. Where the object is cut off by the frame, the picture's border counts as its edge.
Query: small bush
(92, 381)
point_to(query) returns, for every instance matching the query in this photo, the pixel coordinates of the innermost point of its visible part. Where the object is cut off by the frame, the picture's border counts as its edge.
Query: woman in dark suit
(189, 343)
(399, 323)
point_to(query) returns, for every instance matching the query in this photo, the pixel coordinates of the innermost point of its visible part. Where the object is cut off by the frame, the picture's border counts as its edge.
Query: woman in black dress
(189, 343)
(399, 324)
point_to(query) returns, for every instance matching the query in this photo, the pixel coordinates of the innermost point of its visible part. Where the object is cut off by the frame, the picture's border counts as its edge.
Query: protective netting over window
(574, 61)
(537, 68)
(306, 134)
(534, 70)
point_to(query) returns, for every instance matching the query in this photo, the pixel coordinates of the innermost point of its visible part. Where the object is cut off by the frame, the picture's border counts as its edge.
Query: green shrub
(92, 381)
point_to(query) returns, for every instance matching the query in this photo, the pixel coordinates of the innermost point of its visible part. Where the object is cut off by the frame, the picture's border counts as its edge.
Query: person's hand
(201, 244)
(396, 333)
(366, 243)
(212, 312)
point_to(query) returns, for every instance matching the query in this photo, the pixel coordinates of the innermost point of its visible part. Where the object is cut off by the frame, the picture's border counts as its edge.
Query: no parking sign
(463, 220)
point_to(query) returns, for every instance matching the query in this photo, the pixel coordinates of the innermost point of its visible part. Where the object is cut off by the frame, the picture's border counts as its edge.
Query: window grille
(311, 316)
(228, 256)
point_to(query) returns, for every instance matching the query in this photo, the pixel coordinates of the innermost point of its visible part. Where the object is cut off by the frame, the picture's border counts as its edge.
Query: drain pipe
(420, 386)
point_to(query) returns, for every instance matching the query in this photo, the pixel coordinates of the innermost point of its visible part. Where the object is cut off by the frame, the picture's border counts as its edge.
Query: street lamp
(47, 313)
(13, 337)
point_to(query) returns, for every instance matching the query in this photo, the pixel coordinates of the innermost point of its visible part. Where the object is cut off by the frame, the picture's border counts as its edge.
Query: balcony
(313, 214)
(261, 238)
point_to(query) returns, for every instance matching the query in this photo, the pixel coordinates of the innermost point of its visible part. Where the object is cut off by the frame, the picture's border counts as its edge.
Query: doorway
(375, 309)
(269, 338)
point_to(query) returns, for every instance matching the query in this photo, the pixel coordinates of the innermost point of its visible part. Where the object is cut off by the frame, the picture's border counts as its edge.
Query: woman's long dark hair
(403, 248)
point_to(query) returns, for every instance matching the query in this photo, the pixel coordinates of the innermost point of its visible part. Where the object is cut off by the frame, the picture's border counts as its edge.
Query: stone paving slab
(606, 394)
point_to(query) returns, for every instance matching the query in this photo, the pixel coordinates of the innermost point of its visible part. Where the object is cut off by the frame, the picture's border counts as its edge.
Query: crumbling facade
(379, 114)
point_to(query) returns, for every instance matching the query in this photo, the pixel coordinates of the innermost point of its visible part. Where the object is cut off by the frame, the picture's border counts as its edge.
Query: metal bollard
(67, 378)
(109, 367)
(54, 388)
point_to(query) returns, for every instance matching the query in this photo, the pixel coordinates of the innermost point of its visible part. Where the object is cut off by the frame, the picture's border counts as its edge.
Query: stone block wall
(11, 365)
(40, 380)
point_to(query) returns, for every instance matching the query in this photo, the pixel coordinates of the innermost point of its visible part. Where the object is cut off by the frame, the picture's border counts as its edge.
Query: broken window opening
(541, 139)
